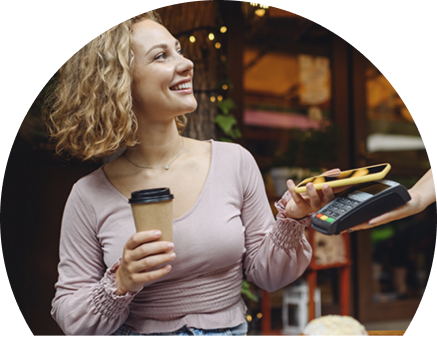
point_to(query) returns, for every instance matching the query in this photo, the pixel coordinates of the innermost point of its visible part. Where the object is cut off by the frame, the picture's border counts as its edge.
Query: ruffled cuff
(287, 233)
(105, 298)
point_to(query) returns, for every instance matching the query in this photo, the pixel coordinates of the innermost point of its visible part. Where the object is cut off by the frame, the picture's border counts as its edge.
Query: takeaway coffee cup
(153, 209)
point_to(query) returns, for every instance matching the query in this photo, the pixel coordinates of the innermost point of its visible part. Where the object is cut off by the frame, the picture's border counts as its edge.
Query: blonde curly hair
(90, 110)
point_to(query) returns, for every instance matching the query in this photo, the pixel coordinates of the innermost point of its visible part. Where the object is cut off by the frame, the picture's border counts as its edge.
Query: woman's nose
(184, 65)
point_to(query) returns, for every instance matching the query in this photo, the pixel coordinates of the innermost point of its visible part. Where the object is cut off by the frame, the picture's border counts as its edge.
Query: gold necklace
(166, 167)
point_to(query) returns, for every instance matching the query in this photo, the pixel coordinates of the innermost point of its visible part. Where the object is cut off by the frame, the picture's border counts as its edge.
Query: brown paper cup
(153, 209)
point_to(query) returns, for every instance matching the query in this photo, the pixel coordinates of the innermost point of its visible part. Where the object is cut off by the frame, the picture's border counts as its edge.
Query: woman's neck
(158, 145)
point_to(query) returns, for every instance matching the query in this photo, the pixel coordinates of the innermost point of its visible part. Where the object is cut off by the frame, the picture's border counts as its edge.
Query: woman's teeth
(181, 86)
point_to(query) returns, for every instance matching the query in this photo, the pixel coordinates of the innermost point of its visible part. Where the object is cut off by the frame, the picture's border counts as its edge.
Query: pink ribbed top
(229, 230)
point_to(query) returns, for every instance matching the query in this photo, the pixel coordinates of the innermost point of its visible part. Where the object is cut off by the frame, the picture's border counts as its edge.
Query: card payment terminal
(359, 205)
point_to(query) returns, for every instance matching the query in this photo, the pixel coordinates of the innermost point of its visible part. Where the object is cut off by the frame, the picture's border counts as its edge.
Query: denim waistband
(239, 330)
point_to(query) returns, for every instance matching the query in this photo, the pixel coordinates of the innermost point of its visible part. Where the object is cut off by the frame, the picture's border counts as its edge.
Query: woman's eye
(162, 56)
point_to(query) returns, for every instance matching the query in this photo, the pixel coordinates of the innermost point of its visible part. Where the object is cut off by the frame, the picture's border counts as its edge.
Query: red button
(319, 215)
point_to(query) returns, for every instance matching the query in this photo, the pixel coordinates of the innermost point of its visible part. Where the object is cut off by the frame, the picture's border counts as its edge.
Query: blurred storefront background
(302, 100)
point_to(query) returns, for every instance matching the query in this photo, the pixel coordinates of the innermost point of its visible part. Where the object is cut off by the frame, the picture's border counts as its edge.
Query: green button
(330, 220)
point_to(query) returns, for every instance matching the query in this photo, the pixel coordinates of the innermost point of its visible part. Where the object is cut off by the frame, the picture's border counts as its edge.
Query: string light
(259, 315)
(254, 4)
(249, 318)
(212, 93)
(260, 12)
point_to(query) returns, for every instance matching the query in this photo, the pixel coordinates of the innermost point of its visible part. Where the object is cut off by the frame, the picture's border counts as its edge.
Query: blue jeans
(239, 330)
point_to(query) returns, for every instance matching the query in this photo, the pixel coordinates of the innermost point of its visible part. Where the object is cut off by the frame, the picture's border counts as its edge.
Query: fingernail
(172, 256)
(290, 183)
(170, 245)
(157, 234)
(168, 267)
(310, 187)
(350, 231)
(370, 224)
(325, 187)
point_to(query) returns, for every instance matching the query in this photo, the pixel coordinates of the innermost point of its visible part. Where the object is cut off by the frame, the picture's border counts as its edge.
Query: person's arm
(422, 195)
(86, 300)
(277, 252)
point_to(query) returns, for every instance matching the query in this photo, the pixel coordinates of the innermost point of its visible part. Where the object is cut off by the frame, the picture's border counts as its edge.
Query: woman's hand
(141, 253)
(301, 204)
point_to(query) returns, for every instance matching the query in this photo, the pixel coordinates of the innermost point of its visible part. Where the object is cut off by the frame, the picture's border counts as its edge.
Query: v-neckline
(199, 198)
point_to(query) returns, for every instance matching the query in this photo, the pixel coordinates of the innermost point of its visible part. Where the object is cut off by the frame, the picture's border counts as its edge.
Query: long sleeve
(85, 302)
(277, 252)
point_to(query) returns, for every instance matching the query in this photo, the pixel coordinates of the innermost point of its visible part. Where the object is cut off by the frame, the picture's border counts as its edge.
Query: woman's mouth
(181, 86)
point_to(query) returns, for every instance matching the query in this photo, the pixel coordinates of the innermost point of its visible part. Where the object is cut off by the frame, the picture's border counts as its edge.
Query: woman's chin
(191, 108)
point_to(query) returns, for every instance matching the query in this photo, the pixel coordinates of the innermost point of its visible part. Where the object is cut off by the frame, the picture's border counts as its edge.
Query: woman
(131, 87)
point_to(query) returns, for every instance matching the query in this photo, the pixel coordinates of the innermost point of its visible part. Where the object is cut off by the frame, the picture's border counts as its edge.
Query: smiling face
(162, 76)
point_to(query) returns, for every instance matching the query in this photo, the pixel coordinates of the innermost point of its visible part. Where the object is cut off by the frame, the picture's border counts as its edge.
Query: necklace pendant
(167, 167)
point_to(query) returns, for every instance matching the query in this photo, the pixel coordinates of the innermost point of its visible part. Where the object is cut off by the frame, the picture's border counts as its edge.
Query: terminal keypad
(336, 209)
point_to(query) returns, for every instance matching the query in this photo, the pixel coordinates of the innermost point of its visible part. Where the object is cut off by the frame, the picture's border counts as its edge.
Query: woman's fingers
(332, 173)
(319, 198)
(298, 206)
(151, 248)
(142, 278)
(150, 262)
(328, 194)
(145, 243)
(310, 201)
(134, 281)
(296, 196)
(142, 237)
(314, 198)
